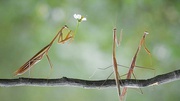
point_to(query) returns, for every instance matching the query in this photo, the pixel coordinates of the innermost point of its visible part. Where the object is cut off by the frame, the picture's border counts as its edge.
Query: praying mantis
(63, 36)
(115, 65)
(133, 63)
(44, 51)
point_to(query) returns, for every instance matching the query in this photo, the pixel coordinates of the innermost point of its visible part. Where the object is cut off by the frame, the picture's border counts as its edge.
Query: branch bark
(92, 84)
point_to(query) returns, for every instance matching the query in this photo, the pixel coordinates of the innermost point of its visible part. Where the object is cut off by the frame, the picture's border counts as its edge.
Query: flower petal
(146, 32)
(84, 19)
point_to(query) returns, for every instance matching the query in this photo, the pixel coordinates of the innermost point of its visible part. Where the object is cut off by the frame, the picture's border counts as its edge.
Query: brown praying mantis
(62, 38)
(115, 65)
(133, 63)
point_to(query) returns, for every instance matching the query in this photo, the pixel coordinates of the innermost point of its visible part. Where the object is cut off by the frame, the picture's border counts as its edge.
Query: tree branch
(71, 82)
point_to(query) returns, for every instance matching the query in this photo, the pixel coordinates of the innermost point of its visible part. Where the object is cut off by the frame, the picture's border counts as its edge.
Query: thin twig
(91, 84)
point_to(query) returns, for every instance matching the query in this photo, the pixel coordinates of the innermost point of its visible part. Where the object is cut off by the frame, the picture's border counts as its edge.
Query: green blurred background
(26, 26)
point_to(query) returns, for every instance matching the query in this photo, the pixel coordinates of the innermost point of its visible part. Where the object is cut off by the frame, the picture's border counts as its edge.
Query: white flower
(79, 17)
